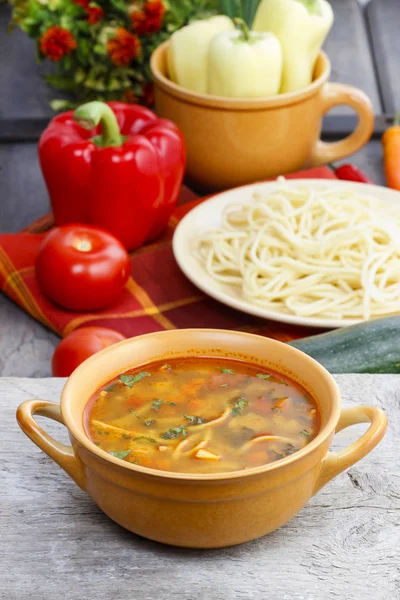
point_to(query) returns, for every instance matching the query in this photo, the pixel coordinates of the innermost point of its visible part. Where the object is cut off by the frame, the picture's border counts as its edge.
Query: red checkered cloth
(157, 296)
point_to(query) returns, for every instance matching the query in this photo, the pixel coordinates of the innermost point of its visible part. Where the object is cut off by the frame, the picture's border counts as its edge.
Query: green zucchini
(370, 347)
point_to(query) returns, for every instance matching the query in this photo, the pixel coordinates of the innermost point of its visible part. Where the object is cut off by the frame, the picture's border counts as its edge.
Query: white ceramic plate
(207, 216)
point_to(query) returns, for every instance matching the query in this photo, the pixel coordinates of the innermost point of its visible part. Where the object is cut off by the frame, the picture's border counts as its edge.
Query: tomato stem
(84, 246)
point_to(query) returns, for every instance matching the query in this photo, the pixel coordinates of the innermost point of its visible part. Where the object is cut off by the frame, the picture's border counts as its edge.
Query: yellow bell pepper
(244, 64)
(188, 52)
(301, 27)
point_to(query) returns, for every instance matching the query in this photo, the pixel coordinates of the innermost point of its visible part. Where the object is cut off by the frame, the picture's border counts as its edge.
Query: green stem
(396, 121)
(89, 115)
(242, 26)
(312, 6)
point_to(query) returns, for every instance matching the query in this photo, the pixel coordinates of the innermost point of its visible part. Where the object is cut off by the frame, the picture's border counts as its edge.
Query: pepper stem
(242, 26)
(312, 6)
(89, 115)
(396, 121)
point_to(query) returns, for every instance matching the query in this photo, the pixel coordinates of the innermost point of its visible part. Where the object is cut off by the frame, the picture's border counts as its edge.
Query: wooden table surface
(364, 48)
(56, 543)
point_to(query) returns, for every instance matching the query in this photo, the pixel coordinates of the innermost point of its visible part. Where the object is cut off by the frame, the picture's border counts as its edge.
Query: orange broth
(201, 415)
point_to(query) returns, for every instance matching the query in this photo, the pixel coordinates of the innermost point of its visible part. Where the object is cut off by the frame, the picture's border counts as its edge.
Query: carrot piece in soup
(192, 387)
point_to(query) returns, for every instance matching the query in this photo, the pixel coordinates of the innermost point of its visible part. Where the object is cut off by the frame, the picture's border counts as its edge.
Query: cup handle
(336, 462)
(334, 94)
(61, 454)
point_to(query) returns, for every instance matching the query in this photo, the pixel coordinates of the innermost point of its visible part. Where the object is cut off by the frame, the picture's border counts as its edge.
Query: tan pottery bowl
(199, 510)
(233, 141)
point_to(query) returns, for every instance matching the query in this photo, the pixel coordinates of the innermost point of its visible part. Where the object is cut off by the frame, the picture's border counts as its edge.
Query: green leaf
(175, 432)
(194, 420)
(239, 405)
(122, 454)
(227, 371)
(144, 437)
(130, 380)
(111, 387)
(263, 376)
(58, 105)
(157, 403)
(305, 433)
(61, 83)
(135, 413)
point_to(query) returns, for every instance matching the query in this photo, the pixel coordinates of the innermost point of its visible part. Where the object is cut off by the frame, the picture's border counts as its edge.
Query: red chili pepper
(351, 173)
(113, 165)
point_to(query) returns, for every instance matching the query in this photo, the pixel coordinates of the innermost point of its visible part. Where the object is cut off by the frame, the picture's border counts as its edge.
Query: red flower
(129, 97)
(139, 22)
(148, 94)
(148, 20)
(95, 14)
(94, 11)
(56, 43)
(123, 48)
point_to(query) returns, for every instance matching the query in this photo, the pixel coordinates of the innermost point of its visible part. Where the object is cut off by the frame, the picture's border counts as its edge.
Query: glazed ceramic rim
(82, 438)
(224, 293)
(223, 103)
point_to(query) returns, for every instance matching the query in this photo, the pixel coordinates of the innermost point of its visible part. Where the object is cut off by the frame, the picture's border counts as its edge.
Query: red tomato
(81, 267)
(78, 345)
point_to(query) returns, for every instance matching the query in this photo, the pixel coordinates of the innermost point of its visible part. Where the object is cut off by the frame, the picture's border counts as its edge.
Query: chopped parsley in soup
(201, 415)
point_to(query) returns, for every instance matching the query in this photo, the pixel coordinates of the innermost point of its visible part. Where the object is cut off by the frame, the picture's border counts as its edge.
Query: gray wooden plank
(26, 347)
(348, 49)
(55, 543)
(370, 161)
(23, 91)
(384, 24)
(23, 194)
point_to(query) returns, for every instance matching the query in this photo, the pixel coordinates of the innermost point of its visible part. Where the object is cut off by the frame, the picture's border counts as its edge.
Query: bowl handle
(334, 94)
(61, 454)
(336, 462)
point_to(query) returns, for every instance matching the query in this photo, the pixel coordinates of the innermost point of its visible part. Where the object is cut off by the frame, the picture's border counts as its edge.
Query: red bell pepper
(114, 165)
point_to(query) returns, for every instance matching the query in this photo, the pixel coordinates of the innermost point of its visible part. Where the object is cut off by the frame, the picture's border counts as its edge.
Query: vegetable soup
(201, 415)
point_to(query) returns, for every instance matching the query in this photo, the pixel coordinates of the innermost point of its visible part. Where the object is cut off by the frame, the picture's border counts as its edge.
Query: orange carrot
(280, 402)
(192, 387)
(391, 154)
(257, 458)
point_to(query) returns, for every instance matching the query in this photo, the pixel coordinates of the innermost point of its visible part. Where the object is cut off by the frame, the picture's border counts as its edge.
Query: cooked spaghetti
(332, 253)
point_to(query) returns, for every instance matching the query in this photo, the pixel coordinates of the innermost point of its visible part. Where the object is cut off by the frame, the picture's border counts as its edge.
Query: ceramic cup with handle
(233, 141)
(201, 510)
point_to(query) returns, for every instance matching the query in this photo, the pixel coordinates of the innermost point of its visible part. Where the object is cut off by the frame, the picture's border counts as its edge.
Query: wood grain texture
(23, 194)
(26, 347)
(23, 91)
(55, 543)
(384, 25)
(348, 48)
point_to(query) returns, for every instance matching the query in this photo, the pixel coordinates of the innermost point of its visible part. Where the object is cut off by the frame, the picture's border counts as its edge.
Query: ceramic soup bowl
(234, 141)
(201, 510)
